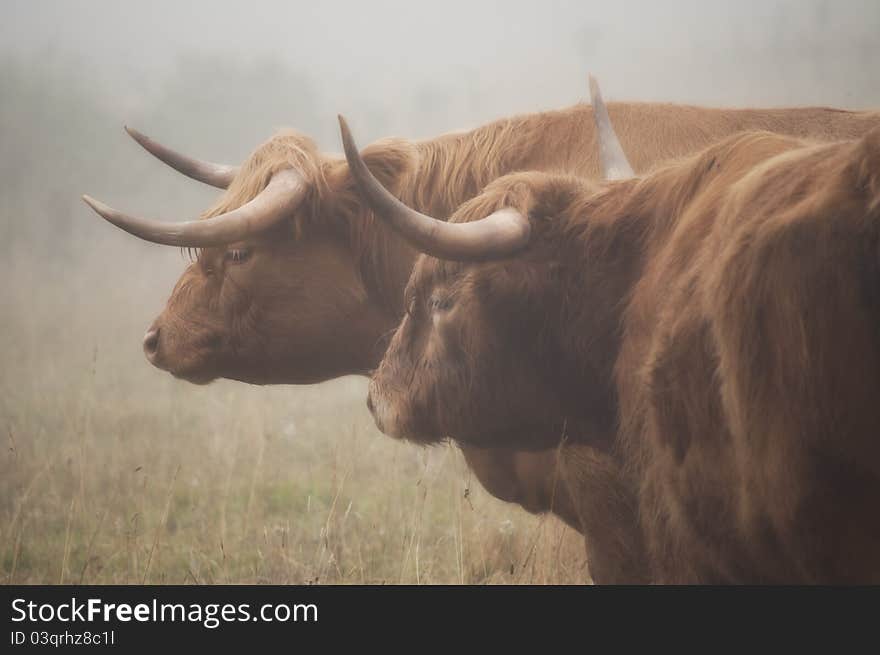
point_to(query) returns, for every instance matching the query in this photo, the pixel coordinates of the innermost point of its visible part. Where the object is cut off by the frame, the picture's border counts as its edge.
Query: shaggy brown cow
(304, 285)
(723, 313)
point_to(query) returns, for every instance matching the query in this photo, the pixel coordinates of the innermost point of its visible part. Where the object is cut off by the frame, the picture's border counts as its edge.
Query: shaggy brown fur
(722, 312)
(764, 356)
(316, 298)
(437, 175)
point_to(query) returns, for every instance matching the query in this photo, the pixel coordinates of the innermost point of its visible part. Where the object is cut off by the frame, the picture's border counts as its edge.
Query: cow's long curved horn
(615, 165)
(496, 236)
(277, 201)
(218, 175)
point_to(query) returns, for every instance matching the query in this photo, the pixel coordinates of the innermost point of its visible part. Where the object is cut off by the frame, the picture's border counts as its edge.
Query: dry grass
(114, 472)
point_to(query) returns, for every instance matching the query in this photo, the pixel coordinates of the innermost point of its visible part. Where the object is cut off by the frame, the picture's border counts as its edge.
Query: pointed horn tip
(138, 136)
(96, 205)
(347, 138)
(102, 210)
(594, 88)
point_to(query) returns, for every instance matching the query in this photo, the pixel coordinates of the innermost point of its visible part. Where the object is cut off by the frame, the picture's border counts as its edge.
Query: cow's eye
(439, 303)
(237, 255)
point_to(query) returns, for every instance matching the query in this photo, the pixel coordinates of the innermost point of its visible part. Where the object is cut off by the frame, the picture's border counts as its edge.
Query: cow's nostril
(151, 342)
(370, 401)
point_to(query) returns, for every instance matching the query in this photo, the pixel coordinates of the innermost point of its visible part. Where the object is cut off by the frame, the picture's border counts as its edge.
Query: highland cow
(708, 333)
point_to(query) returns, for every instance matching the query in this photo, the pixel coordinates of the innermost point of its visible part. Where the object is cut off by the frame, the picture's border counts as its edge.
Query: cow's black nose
(151, 343)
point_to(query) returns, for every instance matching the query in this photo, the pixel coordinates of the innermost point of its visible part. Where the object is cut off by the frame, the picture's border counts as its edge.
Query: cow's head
(470, 357)
(465, 360)
(277, 292)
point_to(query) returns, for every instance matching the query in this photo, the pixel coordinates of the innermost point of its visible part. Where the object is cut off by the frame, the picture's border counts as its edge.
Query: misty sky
(441, 66)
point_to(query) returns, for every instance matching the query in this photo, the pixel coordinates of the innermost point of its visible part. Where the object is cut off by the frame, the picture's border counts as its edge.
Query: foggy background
(215, 79)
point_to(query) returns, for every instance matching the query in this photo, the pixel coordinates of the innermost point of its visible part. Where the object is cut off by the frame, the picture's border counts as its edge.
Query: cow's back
(652, 133)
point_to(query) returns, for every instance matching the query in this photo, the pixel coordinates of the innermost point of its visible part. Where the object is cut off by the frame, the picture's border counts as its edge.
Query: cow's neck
(603, 246)
(598, 272)
(607, 244)
(453, 168)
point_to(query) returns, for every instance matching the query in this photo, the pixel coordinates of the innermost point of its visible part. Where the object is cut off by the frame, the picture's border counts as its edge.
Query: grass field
(114, 472)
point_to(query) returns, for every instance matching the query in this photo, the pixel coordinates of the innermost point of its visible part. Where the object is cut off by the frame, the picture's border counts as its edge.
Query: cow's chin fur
(200, 379)
(398, 424)
(193, 372)
(395, 424)
(520, 437)
(388, 420)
